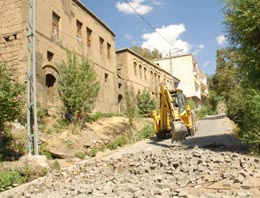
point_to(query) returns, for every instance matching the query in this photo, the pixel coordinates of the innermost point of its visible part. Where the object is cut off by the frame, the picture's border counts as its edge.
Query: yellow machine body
(174, 115)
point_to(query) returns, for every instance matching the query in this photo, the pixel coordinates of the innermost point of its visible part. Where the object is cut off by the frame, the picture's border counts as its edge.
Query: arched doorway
(119, 101)
(50, 82)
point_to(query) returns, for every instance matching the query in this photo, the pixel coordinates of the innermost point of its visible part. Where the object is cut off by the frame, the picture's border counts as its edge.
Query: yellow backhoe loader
(175, 116)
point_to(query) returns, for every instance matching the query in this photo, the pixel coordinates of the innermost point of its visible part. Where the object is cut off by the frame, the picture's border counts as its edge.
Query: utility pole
(32, 123)
(170, 55)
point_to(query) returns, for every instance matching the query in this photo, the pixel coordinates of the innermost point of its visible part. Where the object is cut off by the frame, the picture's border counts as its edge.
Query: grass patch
(147, 132)
(96, 116)
(80, 155)
(118, 142)
(10, 179)
(55, 165)
(93, 152)
(44, 151)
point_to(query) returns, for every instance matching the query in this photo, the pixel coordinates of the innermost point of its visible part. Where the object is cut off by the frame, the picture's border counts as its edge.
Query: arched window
(140, 71)
(135, 68)
(145, 73)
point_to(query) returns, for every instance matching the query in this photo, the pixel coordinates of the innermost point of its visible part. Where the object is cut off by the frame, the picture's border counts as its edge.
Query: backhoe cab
(175, 116)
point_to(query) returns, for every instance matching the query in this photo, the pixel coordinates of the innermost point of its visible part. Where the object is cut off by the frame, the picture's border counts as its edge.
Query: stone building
(140, 74)
(70, 25)
(193, 80)
(61, 25)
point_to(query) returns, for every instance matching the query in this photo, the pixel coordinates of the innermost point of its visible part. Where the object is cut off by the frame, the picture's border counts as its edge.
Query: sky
(171, 26)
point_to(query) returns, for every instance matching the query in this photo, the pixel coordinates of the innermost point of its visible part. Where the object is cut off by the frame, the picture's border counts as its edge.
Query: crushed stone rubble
(168, 173)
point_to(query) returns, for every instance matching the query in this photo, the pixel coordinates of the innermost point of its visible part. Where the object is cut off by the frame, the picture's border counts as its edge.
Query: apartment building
(140, 74)
(193, 81)
(60, 26)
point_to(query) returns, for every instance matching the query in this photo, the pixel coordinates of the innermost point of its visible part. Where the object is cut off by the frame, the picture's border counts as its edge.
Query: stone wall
(13, 24)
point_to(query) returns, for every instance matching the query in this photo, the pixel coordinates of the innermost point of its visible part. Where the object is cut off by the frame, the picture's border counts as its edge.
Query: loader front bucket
(179, 131)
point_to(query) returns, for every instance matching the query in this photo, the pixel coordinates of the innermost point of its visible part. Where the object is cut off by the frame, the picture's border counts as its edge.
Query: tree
(242, 26)
(226, 77)
(10, 97)
(146, 104)
(78, 85)
(146, 53)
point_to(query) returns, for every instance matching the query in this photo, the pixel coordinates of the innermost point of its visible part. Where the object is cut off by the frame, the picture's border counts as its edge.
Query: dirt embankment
(70, 142)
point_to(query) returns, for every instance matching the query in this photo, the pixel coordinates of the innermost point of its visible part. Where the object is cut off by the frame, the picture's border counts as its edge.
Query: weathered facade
(140, 74)
(193, 80)
(13, 24)
(63, 25)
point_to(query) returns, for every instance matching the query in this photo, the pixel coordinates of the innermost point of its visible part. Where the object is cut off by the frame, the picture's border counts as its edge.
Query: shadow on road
(218, 143)
(222, 143)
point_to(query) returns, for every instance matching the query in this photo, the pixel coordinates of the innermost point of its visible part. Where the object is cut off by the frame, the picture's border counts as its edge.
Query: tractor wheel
(161, 135)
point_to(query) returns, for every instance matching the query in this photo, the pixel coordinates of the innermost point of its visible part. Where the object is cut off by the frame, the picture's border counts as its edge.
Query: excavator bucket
(179, 131)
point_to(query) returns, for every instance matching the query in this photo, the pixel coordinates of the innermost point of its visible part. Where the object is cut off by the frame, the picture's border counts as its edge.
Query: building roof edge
(141, 57)
(84, 7)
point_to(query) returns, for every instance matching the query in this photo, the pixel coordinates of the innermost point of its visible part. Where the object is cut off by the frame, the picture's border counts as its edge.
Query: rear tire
(161, 135)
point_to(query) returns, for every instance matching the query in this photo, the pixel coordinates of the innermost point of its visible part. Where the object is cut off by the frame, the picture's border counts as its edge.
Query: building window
(140, 71)
(145, 73)
(119, 85)
(106, 77)
(79, 30)
(159, 78)
(135, 68)
(89, 35)
(49, 56)
(55, 24)
(108, 51)
(101, 45)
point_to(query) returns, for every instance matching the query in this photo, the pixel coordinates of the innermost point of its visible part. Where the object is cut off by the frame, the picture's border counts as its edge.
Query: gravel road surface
(212, 164)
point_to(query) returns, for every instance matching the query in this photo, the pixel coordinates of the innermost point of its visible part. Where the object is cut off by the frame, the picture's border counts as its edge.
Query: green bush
(130, 108)
(10, 178)
(10, 97)
(213, 101)
(147, 132)
(202, 112)
(244, 109)
(146, 104)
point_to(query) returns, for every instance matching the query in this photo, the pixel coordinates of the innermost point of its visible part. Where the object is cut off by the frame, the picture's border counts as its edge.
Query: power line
(148, 23)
